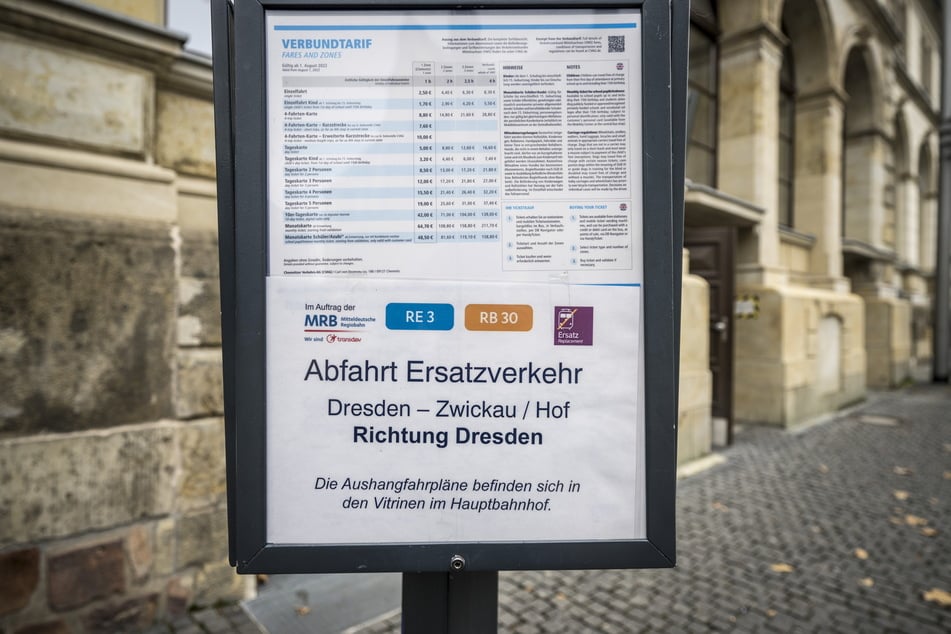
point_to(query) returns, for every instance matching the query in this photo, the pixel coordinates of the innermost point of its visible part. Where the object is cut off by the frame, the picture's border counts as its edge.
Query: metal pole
(450, 603)
(942, 324)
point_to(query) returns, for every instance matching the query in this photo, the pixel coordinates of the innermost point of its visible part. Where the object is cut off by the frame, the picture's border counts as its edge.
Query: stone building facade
(810, 224)
(811, 199)
(112, 481)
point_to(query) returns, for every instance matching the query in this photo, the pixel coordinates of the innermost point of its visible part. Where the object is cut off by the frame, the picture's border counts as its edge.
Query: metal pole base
(450, 603)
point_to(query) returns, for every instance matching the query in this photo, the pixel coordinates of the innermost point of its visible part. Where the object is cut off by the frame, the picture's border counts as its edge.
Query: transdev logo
(332, 338)
(574, 325)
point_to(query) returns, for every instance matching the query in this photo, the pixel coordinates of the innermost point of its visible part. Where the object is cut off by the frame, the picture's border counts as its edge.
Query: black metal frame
(240, 103)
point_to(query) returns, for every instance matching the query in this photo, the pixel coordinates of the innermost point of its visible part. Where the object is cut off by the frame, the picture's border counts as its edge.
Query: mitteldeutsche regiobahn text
(419, 371)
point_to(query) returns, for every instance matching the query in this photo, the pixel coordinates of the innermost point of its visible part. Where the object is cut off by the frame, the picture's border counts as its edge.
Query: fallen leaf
(914, 520)
(902, 471)
(302, 610)
(867, 582)
(561, 596)
(897, 521)
(262, 579)
(771, 613)
(947, 447)
(947, 475)
(816, 529)
(927, 531)
(784, 568)
(901, 495)
(861, 553)
(934, 501)
(939, 596)
(823, 468)
(719, 506)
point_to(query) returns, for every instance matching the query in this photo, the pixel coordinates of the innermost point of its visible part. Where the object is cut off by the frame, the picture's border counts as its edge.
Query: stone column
(748, 141)
(865, 177)
(818, 186)
(907, 218)
(927, 231)
(695, 428)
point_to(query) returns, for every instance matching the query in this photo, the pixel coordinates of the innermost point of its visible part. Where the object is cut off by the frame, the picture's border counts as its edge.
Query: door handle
(720, 326)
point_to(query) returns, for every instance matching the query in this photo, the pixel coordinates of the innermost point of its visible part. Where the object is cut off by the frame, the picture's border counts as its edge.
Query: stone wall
(889, 356)
(112, 476)
(694, 427)
(855, 265)
(801, 358)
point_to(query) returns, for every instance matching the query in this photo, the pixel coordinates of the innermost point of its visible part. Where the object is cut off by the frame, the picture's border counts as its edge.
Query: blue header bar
(452, 27)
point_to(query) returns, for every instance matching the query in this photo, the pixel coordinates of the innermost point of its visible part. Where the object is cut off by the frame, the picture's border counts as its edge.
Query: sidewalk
(843, 527)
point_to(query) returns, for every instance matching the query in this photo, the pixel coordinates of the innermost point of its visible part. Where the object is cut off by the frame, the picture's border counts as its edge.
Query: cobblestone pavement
(843, 527)
(840, 528)
(230, 619)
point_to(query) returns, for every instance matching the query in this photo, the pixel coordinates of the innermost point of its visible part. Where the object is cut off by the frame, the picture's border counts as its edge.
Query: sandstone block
(164, 555)
(178, 595)
(77, 577)
(133, 615)
(199, 322)
(694, 318)
(139, 546)
(135, 191)
(20, 572)
(147, 10)
(200, 255)
(217, 581)
(199, 383)
(48, 627)
(72, 97)
(694, 435)
(186, 134)
(197, 205)
(88, 323)
(202, 482)
(199, 318)
(62, 485)
(202, 537)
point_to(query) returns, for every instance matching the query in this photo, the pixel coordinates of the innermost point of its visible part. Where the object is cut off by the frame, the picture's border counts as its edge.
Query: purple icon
(574, 325)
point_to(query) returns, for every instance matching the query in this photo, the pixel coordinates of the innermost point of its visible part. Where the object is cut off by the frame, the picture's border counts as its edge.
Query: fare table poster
(454, 277)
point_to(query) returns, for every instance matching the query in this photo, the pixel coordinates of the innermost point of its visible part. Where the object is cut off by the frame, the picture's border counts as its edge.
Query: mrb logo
(320, 320)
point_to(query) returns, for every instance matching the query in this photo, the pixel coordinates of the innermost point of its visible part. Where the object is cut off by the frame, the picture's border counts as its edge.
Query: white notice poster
(491, 146)
(455, 275)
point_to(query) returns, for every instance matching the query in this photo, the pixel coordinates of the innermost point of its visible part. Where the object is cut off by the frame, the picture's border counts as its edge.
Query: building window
(702, 108)
(926, 66)
(897, 9)
(787, 124)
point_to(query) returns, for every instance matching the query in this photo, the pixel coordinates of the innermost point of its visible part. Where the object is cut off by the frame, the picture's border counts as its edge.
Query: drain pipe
(942, 281)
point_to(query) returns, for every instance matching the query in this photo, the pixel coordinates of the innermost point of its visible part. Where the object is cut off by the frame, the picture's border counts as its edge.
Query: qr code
(615, 44)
